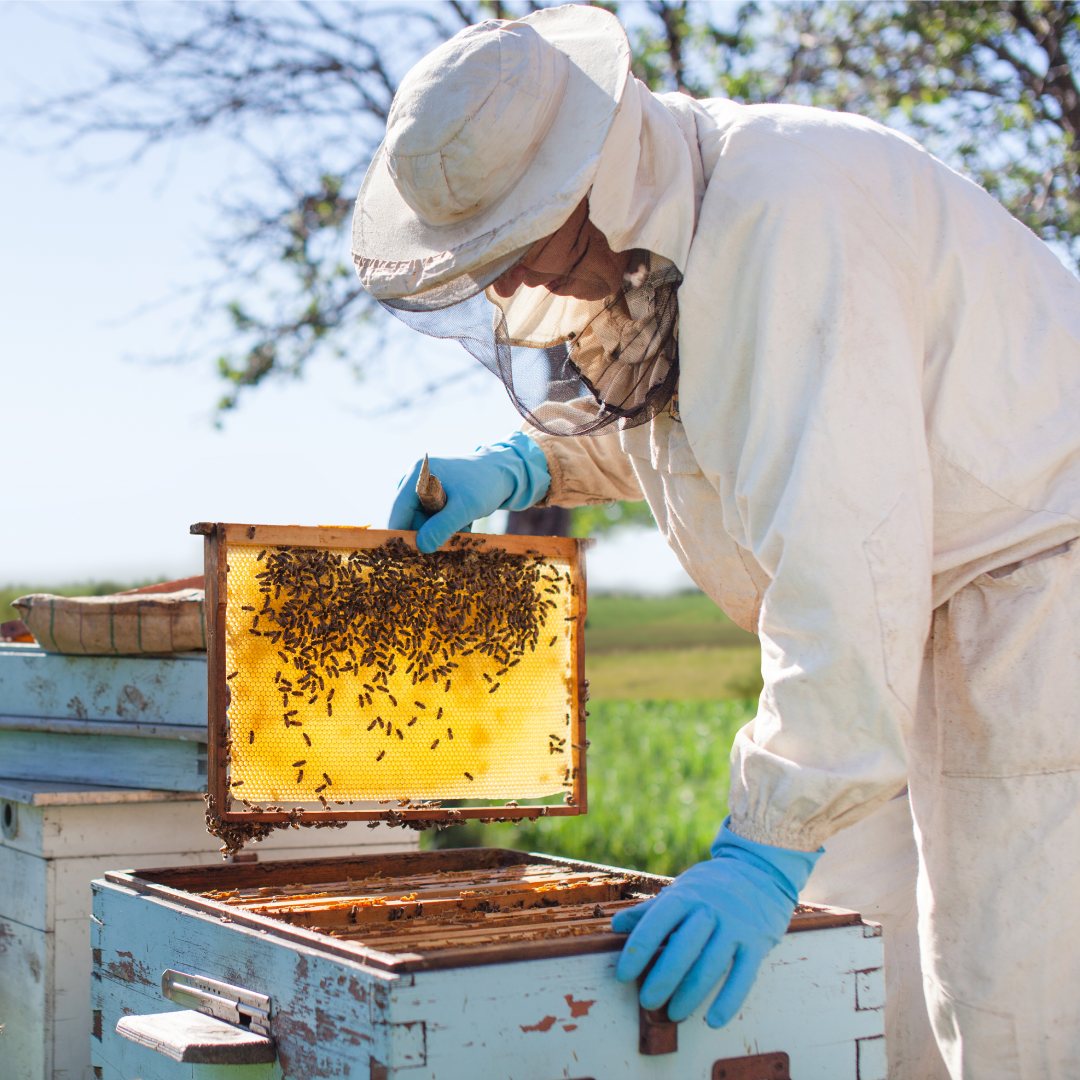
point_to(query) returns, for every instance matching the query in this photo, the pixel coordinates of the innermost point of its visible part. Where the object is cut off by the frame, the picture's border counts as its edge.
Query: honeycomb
(382, 674)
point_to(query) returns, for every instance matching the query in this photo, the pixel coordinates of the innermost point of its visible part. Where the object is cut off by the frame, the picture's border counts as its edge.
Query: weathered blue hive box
(124, 721)
(476, 964)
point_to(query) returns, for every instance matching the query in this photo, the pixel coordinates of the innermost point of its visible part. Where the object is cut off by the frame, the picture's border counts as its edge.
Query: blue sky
(110, 453)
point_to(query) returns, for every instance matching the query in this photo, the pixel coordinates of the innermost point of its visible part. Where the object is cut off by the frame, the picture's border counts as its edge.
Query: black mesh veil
(571, 367)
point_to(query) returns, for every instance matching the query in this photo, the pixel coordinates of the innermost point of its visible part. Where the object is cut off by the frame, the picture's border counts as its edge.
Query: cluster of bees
(387, 612)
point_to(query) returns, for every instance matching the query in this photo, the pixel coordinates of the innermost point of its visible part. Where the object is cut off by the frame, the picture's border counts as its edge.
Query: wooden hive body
(454, 1001)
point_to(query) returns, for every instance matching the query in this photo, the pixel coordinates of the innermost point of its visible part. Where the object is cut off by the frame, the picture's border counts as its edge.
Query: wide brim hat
(492, 141)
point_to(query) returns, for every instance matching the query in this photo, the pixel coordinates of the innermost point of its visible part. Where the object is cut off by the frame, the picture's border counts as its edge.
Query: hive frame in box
(230, 823)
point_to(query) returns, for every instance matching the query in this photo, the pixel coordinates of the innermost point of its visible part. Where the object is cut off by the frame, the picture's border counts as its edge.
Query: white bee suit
(878, 436)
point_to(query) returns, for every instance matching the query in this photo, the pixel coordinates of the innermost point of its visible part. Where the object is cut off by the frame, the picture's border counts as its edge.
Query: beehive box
(344, 666)
(125, 721)
(451, 965)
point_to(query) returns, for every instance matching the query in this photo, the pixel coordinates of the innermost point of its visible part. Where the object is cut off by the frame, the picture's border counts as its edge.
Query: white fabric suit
(877, 439)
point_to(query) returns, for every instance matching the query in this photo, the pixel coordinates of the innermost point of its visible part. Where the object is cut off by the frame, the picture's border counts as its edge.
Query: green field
(669, 648)
(683, 620)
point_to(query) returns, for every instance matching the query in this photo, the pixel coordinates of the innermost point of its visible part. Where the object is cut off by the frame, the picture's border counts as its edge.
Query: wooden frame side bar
(216, 686)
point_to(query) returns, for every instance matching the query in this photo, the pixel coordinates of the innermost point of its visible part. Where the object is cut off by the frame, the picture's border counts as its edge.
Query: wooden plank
(422, 882)
(396, 865)
(125, 761)
(361, 911)
(161, 831)
(26, 956)
(580, 741)
(128, 690)
(216, 601)
(71, 994)
(72, 793)
(427, 814)
(570, 1017)
(191, 1036)
(25, 889)
(545, 922)
(67, 726)
(357, 537)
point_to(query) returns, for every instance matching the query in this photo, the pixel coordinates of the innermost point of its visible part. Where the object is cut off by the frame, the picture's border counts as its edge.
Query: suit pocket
(1007, 672)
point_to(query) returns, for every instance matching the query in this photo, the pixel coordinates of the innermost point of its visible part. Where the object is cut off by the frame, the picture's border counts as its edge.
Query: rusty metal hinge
(656, 1033)
(776, 1066)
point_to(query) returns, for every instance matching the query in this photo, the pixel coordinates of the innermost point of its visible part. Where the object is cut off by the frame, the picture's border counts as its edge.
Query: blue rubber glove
(509, 475)
(723, 916)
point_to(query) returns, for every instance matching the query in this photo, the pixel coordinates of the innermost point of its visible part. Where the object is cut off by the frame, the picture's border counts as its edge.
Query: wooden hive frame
(404, 938)
(235, 825)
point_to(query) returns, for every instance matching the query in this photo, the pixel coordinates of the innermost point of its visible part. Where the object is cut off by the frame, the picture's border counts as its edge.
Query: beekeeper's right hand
(509, 475)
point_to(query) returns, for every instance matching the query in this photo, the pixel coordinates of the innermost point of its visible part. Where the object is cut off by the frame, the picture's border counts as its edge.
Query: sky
(110, 452)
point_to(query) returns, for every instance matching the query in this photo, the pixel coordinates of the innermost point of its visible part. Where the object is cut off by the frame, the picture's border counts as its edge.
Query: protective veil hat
(492, 141)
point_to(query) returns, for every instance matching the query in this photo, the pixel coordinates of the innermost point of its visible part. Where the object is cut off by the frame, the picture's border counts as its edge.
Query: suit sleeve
(586, 469)
(801, 313)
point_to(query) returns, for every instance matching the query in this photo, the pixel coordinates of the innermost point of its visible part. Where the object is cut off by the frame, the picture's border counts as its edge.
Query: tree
(304, 87)
(992, 87)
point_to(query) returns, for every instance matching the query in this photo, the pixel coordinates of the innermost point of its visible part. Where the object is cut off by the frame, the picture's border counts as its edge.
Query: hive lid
(353, 678)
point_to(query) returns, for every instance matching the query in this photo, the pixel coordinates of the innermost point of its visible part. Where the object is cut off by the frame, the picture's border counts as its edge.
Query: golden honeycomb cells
(388, 704)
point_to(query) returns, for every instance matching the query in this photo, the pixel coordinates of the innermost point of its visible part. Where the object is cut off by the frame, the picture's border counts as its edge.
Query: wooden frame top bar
(359, 537)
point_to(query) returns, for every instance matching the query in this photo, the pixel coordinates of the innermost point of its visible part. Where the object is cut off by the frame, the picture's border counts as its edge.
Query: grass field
(683, 620)
(670, 648)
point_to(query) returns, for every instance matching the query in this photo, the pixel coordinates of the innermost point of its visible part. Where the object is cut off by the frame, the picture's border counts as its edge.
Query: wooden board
(127, 693)
(26, 956)
(125, 761)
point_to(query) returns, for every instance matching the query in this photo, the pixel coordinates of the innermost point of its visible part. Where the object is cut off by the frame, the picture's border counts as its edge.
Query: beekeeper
(847, 383)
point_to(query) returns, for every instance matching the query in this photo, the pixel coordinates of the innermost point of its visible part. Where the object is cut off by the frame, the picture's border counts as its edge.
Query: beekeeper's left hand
(507, 475)
(723, 916)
